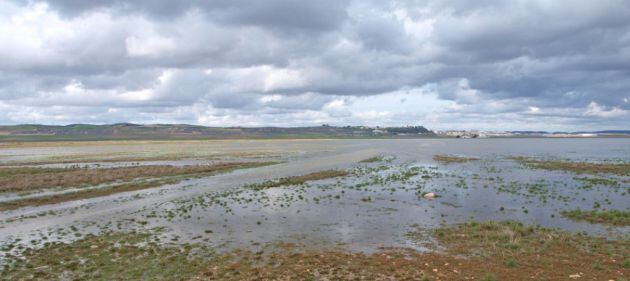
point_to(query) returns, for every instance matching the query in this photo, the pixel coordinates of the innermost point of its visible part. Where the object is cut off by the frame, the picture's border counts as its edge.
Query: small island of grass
(608, 217)
(448, 159)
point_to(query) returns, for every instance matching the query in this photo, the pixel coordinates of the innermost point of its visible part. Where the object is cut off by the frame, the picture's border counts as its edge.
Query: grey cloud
(280, 14)
(382, 34)
(231, 100)
(286, 14)
(224, 57)
(310, 101)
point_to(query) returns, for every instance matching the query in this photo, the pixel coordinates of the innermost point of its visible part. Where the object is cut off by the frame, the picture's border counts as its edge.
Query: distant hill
(612, 132)
(529, 132)
(130, 131)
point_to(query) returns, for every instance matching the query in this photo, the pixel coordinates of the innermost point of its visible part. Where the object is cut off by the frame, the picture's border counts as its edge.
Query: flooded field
(338, 197)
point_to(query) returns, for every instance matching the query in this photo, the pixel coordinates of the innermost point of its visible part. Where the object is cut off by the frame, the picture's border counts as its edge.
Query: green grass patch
(608, 217)
(374, 159)
(514, 247)
(475, 251)
(118, 256)
(448, 159)
(297, 180)
(622, 169)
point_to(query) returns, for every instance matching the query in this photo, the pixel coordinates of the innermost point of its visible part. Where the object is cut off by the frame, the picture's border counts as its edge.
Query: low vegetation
(622, 169)
(108, 257)
(373, 159)
(78, 159)
(479, 251)
(608, 217)
(96, 158)
(298, 180)
(136, 256)
(514, 251)
(83, 194)
(32, 179)
(124, 187)
(448, 159)
(9, 172)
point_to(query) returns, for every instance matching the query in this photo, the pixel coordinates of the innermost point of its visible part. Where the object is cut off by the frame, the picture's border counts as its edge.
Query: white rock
(429, 195)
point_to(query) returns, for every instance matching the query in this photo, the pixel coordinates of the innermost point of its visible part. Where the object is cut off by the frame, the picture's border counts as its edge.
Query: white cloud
(534, 109)
(595, 109)
(277, 79)
(149, 46)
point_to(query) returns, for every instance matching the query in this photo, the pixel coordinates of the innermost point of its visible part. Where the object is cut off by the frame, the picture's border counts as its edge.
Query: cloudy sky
(486, 64)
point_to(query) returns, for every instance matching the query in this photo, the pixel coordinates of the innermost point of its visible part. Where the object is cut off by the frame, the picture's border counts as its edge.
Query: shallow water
(375, 207)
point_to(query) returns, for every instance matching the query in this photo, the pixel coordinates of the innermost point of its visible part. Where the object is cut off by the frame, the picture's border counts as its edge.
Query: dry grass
(298, 180)
(448, 159)
(77, 159)
(6, 172)
(622, 169)
(31, 179)
(28, 144)
(125, 187)
(476, 251)
(86, 194)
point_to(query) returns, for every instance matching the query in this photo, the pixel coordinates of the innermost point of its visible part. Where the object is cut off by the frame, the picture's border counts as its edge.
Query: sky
(485, 64)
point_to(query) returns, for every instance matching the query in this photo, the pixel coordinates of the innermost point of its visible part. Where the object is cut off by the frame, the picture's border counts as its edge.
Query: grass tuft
(373, 159)
(448, 159)
(297, 180)
(609, 217)
(622, 169)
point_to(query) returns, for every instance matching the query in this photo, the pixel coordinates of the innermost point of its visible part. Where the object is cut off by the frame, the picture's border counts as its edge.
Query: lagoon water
(374, 207)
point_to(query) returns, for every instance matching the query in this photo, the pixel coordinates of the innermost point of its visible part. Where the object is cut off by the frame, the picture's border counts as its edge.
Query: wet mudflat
(368, 196)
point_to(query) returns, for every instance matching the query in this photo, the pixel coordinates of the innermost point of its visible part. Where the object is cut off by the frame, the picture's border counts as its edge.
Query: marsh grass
(72, 159)
(86, 194)
(127, 186)
(297, 180)
(9, 172)
(598, 181)
(608, 217)
(34, 179)
(448, 159)
(374, 159)
(137, 157)
(622, 169)
(131, 256)
(120, 256)
(479, 251)
(517, 247)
